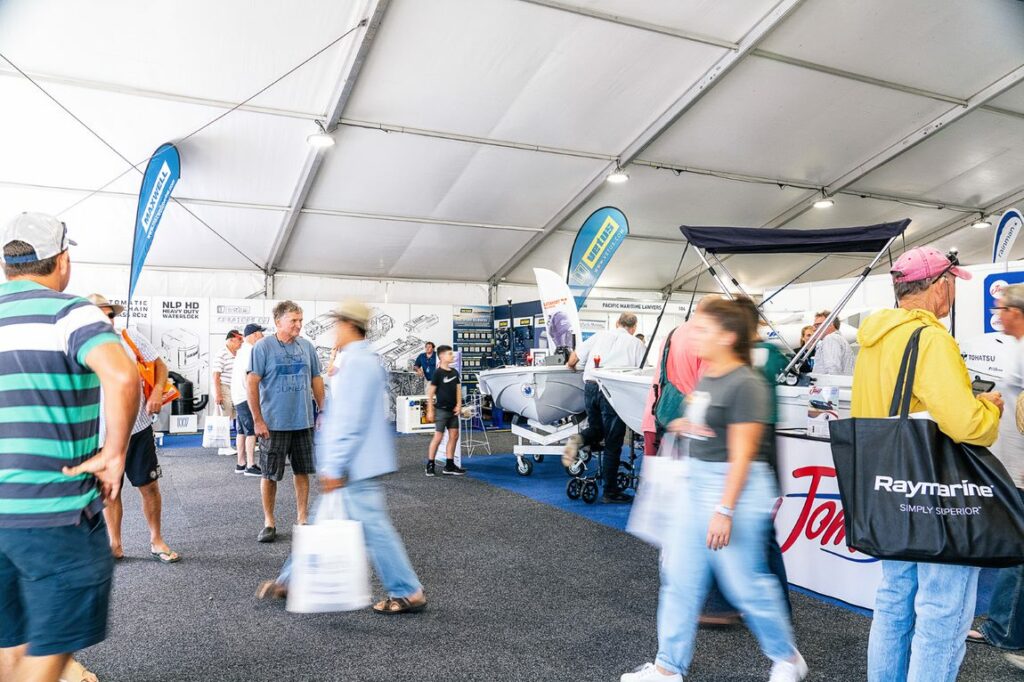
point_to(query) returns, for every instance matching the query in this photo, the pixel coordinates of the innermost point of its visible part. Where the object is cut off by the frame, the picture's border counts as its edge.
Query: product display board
(810, 530)
(472, 327)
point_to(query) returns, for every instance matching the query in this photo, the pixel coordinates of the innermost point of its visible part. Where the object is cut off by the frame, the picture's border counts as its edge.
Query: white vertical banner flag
(560, 314)
(1007, 229)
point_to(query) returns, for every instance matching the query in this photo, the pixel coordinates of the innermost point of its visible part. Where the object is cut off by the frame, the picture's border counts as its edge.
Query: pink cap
(923, 262)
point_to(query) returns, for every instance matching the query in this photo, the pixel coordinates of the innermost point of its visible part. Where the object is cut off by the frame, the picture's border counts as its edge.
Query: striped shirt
(49, 405)
(225, 364)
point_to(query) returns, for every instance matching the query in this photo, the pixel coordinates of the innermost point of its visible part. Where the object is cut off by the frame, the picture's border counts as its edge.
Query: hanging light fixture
(981, 223)
(618, 176)
(321, 140)
(825, 201)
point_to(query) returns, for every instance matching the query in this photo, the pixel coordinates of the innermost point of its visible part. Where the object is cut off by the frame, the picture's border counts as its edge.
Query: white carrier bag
(663, 480)
(217, 431)
(329, 565)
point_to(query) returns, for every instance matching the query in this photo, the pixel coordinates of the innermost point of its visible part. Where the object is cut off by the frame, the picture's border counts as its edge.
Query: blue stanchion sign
(595, 244)
(161, 176)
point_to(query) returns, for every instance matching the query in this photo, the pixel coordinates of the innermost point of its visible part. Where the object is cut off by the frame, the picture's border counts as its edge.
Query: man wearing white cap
(922, 610)
(56, 353)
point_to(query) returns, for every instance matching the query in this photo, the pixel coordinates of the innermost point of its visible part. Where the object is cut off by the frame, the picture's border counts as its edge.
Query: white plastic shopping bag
(217, 432)
(663, 481)
(329, 566)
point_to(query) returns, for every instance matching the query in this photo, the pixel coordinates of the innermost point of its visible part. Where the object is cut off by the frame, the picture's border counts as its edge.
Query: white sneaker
(227, 451)
(784, 671)
(1016, 660)
(648, 672)
(572, 449)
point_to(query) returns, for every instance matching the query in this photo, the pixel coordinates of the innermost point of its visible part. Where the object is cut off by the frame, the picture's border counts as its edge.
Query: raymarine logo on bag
(912, 488)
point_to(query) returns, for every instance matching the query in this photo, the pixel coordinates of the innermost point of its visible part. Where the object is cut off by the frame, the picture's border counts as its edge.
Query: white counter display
(810, 529)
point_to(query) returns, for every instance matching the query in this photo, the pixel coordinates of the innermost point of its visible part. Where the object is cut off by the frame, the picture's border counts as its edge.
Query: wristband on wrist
(723, 510)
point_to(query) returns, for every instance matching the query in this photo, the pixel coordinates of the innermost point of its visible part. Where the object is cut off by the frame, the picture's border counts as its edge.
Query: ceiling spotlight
(321, 140)
(824, 202)
(981, 223)
(617, 177)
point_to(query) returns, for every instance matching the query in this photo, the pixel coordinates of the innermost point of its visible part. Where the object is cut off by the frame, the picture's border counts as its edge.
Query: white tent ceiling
(473, 135)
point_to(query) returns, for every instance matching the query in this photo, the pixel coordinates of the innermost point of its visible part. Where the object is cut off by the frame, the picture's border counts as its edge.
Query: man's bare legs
(112, 514)
(268, 490)
(152, 506)
(17, 666)
(301, 498)
(246, 446)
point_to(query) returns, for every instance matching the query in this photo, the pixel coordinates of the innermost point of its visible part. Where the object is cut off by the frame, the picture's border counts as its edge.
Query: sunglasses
(997, 308)
(112, 315)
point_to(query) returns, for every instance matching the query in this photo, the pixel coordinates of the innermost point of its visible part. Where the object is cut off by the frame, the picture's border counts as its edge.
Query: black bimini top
(867, 239)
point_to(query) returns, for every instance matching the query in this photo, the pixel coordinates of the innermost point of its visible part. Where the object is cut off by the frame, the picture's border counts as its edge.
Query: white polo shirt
(617, 348)
(240, 373)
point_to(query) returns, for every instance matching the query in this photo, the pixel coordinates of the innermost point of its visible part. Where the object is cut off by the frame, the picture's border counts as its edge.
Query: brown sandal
(395, 605)
(269, 589)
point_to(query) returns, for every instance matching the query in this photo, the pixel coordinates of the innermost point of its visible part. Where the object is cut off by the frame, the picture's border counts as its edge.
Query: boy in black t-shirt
(444, 411)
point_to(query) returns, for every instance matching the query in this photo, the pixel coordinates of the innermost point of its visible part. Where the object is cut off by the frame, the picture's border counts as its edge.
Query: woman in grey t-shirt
(725, 513)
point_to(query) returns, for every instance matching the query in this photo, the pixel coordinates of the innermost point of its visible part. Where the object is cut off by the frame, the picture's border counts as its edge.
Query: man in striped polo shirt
(56, 352)
(223, 366)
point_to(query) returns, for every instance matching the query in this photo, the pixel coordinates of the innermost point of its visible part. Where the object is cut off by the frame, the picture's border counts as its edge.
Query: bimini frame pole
(760, 313)
(820, 331)
(711, 269)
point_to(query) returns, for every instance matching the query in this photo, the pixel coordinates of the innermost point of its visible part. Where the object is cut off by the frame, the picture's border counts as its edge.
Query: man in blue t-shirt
(426, 362)
(284, 380)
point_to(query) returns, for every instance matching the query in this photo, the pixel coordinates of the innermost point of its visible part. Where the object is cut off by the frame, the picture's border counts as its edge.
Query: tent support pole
(657, 324)
(760, 313)
(820, 331)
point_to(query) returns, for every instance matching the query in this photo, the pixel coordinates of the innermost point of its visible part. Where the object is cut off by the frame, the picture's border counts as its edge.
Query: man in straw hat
(354, 449)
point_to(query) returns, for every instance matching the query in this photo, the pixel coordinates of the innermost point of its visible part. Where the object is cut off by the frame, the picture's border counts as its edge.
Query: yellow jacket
(942, 385)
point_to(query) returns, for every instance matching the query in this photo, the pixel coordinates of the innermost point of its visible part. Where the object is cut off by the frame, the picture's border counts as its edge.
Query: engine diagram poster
(180, 331)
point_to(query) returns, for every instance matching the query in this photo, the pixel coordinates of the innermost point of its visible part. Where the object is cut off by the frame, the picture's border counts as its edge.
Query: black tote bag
(911, 493)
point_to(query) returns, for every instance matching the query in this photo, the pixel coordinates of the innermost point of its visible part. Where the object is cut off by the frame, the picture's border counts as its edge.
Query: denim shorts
(55, 587)
(246, 425)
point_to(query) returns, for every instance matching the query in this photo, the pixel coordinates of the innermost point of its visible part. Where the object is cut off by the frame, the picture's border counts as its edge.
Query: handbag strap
(904, 389)
(131, 344)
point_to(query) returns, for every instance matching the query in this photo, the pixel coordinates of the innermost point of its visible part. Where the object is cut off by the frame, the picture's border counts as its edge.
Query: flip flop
(393, 606)
(168, 557)
(270, 589)
(976, 638)
(76, 672)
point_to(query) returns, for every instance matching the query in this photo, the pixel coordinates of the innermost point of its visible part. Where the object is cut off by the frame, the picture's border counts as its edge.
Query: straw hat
(100, 301)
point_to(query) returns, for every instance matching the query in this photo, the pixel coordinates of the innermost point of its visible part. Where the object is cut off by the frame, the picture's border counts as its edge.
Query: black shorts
(246, 425)
(55, 587)
(445, 419)
(141, 466)
(282, 445)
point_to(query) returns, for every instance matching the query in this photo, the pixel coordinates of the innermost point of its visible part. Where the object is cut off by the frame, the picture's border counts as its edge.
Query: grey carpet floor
(518, 591)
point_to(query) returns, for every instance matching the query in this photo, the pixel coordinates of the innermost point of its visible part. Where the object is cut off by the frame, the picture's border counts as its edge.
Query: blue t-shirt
(428, 365)
(286, 371)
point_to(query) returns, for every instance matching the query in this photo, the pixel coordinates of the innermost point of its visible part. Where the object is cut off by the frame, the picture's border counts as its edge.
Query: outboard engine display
(184, 403)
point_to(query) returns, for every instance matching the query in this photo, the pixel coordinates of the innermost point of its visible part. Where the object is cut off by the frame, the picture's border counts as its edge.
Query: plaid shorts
(282, 445)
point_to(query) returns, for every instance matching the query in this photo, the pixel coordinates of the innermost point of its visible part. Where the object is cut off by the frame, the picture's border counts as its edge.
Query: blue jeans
(922, 615)
(717, 603)
(687, 567)
(1004, 628)
(365, 502)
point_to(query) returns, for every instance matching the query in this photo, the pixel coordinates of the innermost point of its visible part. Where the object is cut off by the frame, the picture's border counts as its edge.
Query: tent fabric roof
(473, 136)
(721, 240)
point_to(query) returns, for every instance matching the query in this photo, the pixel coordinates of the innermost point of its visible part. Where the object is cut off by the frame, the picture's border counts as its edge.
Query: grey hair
(1013, 296)
(904, 289)
(285, 307)
(627, 320)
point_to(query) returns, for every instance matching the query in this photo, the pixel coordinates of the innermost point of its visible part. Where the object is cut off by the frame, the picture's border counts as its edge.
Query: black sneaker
(617, 497)
(451, 470)
(239, 468)
(430, 469)
(268, 534)
(253, 471)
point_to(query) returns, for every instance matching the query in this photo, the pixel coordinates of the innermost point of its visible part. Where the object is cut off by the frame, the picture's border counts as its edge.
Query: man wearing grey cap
(57, 352)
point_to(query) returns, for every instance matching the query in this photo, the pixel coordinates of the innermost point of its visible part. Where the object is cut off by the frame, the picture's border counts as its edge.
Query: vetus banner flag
(595, 244)
(158, 182)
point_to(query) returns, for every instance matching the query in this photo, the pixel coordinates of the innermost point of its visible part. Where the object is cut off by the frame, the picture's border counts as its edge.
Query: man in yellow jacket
(922, 611)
